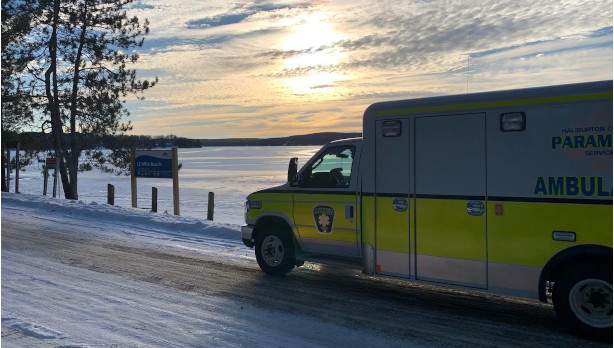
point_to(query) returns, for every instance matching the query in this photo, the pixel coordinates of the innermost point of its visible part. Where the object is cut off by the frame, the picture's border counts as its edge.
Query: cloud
(240, 13)
(140, 6)
(217, 20)
(264, 68)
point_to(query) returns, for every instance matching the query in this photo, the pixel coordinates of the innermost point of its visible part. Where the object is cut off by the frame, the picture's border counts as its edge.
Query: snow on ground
(51, 304)
(47, 303)
(135, 227)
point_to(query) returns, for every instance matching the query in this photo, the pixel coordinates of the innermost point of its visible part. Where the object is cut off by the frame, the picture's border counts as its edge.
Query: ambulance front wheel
(275, 252)
(582, 298)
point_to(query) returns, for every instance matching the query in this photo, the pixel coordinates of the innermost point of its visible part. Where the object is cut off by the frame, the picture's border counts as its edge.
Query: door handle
(475, 208)
(399, 204)
(349, 211)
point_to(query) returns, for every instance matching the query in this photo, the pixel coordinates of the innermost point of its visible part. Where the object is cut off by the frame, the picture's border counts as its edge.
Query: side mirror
(292, 170)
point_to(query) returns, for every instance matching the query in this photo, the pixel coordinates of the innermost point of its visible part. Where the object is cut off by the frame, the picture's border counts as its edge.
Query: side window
(332, 168)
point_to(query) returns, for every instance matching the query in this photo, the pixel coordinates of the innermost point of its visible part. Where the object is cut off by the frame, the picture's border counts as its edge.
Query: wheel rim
(591, 302)
(272, 251)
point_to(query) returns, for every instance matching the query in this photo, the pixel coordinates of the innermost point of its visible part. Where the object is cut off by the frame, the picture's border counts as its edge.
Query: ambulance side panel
(552, 178)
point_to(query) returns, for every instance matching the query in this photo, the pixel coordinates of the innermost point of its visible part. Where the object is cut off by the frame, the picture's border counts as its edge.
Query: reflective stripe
(274, 204)
(393, 263)
(515, 280)
(495, 104)
(331, 247)
(392, 226)
(336, 228)
(325, 202)
(444, 228)
(449, 270)
(522, 235)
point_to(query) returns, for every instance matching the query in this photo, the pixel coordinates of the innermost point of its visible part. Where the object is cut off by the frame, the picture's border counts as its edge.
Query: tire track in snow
(416, 313)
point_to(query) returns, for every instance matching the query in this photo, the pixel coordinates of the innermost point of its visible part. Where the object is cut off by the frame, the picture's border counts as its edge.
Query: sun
(312, 31)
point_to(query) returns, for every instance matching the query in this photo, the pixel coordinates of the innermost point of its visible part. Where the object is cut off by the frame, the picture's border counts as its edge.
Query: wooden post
(4, 187)
(45, 179)
(110, 194)
(154, 199)
(175, 182)
(133, 179)
(55, 176)
(210, 206)
(8, 169)
(17, 167)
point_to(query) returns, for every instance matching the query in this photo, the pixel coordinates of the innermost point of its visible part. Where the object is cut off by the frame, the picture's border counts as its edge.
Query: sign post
(45, 179)
(17, 167)
(133, 178)
(8, 169)
(175, 169)
(156, 164)
(49, 163)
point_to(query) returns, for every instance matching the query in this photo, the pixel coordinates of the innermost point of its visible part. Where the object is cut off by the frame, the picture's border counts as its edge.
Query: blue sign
(153, 163)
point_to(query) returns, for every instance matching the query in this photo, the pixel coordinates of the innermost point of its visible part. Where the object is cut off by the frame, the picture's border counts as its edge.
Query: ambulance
(507, 192)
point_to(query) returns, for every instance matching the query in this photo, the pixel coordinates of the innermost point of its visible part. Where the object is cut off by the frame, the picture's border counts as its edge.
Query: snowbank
(102, 212)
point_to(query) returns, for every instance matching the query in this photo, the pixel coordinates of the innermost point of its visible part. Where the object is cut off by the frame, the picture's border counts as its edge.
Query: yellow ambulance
(508, 192)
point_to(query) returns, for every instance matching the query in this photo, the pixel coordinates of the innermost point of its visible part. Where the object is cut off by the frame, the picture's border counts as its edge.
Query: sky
(233, 69)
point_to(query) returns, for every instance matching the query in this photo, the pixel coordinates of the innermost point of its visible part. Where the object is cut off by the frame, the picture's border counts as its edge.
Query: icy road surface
(81, 275)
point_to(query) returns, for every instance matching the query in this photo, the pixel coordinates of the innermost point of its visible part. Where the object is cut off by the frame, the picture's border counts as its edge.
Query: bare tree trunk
(75, 146)
(52, 94)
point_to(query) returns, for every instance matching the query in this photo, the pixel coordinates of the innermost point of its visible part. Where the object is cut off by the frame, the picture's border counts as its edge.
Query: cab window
(332, 169)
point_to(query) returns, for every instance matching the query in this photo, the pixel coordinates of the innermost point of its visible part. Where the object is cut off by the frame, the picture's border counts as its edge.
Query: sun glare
(312, 32)
(313, 37)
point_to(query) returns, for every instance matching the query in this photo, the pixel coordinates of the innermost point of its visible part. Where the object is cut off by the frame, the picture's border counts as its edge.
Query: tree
(18, 19)
(65, 72)
(87, 78)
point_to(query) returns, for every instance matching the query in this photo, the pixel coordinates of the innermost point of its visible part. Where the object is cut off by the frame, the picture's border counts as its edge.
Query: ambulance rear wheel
(275, 252)
(582, 298)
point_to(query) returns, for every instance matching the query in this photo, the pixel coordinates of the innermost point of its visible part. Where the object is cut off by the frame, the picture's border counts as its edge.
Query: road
(415, 313)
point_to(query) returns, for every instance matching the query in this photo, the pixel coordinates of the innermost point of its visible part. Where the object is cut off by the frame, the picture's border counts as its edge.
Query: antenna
(468, 56)
(467, 71)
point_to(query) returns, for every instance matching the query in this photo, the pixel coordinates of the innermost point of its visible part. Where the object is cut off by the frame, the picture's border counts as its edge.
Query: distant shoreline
(33, 140)
(295, 140)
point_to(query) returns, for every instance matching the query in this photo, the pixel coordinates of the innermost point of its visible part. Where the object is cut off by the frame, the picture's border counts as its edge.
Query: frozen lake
(230, 172)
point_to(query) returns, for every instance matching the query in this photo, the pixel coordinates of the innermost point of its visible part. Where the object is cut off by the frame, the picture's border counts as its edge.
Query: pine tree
(80, 78)
(18, 19)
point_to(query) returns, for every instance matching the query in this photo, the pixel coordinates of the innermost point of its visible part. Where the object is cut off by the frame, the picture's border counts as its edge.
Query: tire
(582, 299)
(275, 252)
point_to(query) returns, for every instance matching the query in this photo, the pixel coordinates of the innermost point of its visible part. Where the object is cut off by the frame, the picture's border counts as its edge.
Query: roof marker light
(513, 122)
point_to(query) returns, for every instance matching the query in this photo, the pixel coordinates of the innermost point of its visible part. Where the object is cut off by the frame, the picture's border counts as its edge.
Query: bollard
(55, 180)
(210, 207)
(110, 194)
(45, 180)
(17, 167)
(154, 199)
(8, 170)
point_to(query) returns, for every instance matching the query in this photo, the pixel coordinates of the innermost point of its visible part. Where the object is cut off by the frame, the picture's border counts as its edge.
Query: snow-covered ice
(230, 172)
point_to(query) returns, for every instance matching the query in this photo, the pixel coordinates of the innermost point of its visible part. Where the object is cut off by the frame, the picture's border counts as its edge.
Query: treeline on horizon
(42, 142)
(294, 140)
(37, 141)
